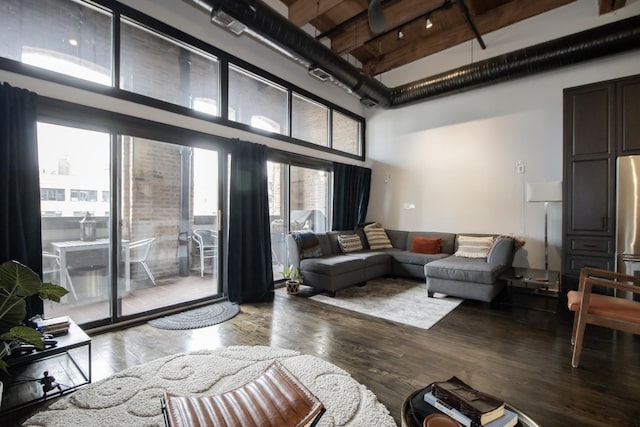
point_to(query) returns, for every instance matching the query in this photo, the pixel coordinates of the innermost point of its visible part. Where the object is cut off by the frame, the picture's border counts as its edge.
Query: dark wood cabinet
(591, 201)
(593, 116)
(589, 120)
(628, 117)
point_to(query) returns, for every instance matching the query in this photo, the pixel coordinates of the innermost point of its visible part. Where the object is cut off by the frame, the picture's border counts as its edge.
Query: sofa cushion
(474, 247)
(376, 237)
(332, 265)
(349, 243)
(398, 238)
(425, 245)
(446, 244)
(502, 251)
(464, 270)
(406, 257)
(370, 258)
(308, 244)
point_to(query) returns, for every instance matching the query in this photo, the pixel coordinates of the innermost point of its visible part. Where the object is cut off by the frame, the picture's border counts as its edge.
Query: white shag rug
(400, 300)
(132, 397)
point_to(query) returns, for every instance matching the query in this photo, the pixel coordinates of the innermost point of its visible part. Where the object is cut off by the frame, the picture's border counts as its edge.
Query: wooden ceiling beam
(303, 11)
(606, 6)
(393, 55)
(396, 13)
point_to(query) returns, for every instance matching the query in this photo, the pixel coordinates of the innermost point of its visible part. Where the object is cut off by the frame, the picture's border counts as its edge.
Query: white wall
(454, 158)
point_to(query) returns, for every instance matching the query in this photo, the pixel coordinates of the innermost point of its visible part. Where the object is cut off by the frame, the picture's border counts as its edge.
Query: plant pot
(293, 287)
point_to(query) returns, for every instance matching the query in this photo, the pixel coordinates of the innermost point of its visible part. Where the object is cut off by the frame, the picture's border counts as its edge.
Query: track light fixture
(400, 35)
(427, 23)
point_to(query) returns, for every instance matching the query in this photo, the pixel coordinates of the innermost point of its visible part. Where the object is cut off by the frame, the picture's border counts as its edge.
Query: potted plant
(17, 282)
(292, 274)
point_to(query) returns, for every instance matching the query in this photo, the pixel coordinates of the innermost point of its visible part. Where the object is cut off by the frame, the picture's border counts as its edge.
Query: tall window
(309, 121)
(162, 68)
(298, 200)
(168, 194)
(346, 134)
(76, 162)
(64, 36)
(309, 203)
(75, 38)
(257, 102)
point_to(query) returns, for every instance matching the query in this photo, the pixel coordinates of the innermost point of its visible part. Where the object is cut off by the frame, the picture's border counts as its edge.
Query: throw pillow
(377, 237)
(349, 243)
(425, 245)
(308, 244)
(473, 247)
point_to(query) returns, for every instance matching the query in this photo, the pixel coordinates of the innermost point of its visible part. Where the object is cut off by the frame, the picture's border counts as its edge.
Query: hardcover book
(509, 419)
(480, 407)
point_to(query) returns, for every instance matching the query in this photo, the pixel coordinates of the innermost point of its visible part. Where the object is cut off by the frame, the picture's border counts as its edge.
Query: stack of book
(54, 326)
(468, 406)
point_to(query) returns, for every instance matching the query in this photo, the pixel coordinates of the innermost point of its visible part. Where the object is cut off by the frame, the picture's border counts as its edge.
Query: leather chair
(607, 311)
(276, 398)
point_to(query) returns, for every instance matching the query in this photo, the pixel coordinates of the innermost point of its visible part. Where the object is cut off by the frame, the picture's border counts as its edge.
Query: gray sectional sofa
(471, 278)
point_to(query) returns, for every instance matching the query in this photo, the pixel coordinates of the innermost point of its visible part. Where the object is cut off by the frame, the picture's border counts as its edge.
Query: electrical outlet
(520, 166)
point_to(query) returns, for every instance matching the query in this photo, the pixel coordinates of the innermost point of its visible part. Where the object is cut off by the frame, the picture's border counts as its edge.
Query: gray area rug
(132, 397)
(400, 300)
(199, 317)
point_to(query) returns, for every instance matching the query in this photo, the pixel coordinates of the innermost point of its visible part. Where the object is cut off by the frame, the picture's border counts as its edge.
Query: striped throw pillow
(473, 247)
(349, 243)
(377, 237)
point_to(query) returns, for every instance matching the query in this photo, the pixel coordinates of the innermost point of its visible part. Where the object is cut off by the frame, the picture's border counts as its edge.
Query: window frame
(122, 11)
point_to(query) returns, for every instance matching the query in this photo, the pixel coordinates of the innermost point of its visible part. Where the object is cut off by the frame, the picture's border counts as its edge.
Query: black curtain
(20, 230)
(351, 185)
(250, 268)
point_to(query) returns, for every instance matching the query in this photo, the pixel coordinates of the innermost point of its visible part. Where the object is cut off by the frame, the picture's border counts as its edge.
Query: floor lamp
(545, 192)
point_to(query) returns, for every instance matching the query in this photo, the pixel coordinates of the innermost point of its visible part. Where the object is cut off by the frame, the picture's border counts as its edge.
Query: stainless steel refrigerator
(628, 216)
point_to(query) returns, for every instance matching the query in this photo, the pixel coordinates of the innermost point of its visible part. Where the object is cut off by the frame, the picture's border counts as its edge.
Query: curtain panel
(351, 185)
(250, 267)
(20, 226)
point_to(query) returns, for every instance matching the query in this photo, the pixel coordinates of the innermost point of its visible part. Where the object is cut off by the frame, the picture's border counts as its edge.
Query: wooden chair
(603, 310)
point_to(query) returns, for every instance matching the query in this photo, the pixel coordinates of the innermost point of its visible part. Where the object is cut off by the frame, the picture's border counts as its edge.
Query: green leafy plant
(291, 273)
(17, 283)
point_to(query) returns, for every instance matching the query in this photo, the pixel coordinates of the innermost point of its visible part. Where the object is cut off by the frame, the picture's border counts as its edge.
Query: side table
(69, 362)
(533, 282)
(407, 417)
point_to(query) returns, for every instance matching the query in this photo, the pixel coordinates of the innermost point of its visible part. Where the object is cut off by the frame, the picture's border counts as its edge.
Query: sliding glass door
(168, 234)
(164, 249)
(75, 201)
(299, 199)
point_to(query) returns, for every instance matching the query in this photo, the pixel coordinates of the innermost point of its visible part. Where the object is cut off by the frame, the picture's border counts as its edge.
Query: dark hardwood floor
(522, 356)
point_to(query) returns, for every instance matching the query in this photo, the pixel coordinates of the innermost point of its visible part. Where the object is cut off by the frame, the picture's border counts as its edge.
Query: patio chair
(206, 241)
(51, 265)
(603, 310)
(139, 251)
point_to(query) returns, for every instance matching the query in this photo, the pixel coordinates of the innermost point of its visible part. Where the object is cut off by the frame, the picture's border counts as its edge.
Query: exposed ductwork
(608, 39)
(274, 29)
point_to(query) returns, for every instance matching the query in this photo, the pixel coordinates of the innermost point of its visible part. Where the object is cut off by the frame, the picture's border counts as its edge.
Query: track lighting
(400, 35)
(428, 24)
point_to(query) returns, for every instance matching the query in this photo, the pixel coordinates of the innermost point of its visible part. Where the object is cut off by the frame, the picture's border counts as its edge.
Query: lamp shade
(544, 191)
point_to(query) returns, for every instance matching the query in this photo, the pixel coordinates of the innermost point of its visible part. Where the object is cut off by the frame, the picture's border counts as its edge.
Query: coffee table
(407, 417)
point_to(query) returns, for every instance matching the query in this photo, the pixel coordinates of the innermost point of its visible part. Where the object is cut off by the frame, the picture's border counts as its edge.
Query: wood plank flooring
(521, 355)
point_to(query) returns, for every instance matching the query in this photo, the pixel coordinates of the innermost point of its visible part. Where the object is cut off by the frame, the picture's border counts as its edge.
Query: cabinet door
(589, 120)
(591, 193)
(628, 116)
